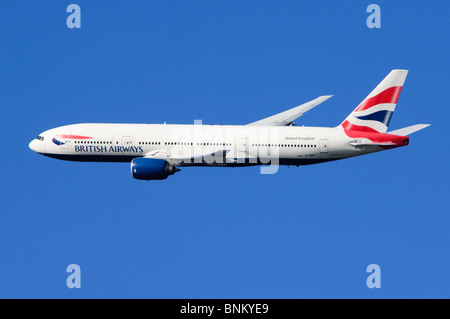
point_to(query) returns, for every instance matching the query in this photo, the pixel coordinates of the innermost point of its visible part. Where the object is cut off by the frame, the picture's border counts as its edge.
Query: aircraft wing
(287, 117)
(205, 158)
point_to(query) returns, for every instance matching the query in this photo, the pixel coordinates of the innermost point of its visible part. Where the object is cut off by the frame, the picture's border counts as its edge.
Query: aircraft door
(242, 149)
(323, 145)
(64, 145)
(127, 142)
(243, 145)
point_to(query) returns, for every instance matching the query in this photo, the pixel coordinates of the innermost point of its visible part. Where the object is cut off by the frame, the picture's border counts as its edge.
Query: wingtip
(400, 70)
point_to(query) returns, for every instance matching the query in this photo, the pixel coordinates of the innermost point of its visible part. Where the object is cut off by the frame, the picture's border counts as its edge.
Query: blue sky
(307, 232)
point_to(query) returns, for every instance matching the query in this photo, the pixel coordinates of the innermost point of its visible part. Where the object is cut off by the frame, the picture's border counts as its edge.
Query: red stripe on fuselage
(78, 137)
(387, 96)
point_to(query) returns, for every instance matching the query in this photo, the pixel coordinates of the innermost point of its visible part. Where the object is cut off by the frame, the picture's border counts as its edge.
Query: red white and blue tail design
(375, 112)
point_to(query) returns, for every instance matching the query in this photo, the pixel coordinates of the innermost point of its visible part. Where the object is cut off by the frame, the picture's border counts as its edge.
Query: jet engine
(151, 168)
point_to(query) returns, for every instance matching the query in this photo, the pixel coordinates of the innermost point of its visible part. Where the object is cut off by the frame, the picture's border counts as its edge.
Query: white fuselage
(226, 145)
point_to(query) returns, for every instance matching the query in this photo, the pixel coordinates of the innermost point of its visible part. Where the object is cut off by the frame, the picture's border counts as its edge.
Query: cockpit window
(40, 138)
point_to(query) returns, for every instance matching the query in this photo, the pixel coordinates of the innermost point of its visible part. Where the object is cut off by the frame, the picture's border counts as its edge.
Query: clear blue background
(221, 232)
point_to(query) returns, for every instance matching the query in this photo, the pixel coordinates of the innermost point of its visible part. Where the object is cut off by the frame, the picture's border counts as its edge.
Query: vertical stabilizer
(375, 112)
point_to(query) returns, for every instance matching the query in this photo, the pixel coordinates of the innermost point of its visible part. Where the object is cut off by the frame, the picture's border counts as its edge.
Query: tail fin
(375, 112)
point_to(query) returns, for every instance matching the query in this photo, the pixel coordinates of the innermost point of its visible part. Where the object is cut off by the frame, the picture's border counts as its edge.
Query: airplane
(156, 151)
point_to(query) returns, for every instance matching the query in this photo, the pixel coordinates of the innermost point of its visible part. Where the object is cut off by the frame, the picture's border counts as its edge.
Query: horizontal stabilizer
(287, 117)
(409, 130)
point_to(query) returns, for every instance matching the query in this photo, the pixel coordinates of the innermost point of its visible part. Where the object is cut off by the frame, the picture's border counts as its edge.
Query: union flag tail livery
(375, 112)
(156, 151)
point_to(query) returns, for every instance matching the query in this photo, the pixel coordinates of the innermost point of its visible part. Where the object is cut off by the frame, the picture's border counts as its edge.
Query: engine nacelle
(151, 168)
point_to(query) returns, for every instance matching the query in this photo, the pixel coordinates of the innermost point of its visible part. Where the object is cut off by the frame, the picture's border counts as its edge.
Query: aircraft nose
(34, 145)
